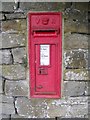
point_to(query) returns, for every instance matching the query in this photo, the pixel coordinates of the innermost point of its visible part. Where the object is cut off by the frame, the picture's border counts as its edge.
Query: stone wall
(14, 87)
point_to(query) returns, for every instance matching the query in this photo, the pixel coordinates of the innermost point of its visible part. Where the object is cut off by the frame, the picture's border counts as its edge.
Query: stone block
(83, 6)
(74, 88)
(5, 117)
(6, 99)
(19, 54)
(41, 6)
(75, 41)
(15, 15)
(14, 72)
(1, 85)
(12, 40)
(16, 88)
(8, 6)
(76, 20)
(18, 25)
(18, 117)
(70, 107)
(87, 90)
(76, 74)
(32, 108)
(76, 59)
(8, 108)
(5, 57)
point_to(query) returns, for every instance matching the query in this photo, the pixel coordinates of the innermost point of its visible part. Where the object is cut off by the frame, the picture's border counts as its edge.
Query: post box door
(46, 76)
(45, 54)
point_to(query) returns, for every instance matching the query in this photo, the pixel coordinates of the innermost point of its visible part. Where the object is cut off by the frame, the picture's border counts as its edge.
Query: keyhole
(40, 71)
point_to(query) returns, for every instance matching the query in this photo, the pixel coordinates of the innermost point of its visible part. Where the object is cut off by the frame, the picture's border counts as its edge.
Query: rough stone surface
(7, 108)
(6, 99)
(19, 25)
(68, 107)
(5, 57)
(12, 40)
(17, 117)
(16, 88)
(19, 54)
(33, 108)
(73, 88)
(76, 74)
(1, 84)
(75, 41)
(43, 6)
(76, 20)
(76, 59)
(8, 6)
(4, 116)
(13, 71)
(15, 15)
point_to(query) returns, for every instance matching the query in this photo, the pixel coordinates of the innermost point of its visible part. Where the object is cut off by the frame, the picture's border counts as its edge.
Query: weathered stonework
(6, 99)
(7, 108)
(18, 25)
(13, 72)
(16, 88)
(76, 59)
(1, 85)
(76, 74)
(72, 88)
(19, 54)
(5, 57)
(31, 107)
(12, 40)
(75, 41)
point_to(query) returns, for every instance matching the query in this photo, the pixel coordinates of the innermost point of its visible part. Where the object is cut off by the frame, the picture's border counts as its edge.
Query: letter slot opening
(46, 33)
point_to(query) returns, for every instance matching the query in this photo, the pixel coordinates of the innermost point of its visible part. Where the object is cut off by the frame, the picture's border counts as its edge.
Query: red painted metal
(45, 41)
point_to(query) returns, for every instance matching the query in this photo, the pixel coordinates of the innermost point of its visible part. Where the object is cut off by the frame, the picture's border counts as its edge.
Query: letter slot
(37, 33)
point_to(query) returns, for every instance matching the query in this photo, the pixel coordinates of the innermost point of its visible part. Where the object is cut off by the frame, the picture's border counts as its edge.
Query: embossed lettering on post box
(45, 54)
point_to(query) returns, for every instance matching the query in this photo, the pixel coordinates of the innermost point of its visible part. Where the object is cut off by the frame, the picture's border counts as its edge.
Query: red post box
(45, 54)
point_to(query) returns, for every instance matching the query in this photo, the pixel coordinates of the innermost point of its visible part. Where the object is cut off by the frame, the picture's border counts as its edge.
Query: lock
(43, 71)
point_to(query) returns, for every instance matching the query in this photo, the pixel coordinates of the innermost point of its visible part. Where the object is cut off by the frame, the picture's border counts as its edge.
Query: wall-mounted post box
(45, 54)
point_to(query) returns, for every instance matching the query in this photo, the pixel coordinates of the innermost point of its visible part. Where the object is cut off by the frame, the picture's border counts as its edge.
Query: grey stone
(76, 41)
(16, 88)
(69, 107)
(76, 74)
(8, 6)
(74, 88)
(87, 89)
(78, 110)
(14, 72)
(12, 40)
(1, 85)
(13, 116)
(8, 108)
(5, 57)
(76, 21)
(67, 100)
(33, 108)
(15, 15)
(43, 6)
(6, 99)
(24, 107)
(4, 116)
(76, 59)
(19, 54)
(18, 25)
